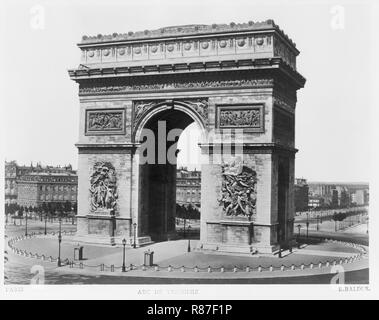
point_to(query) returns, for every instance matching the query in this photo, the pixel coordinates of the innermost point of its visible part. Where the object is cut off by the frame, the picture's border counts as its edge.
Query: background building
(301, 194)
(188, 187)
(10, 187)
(34, 186)
(316, 202)
(336, 195)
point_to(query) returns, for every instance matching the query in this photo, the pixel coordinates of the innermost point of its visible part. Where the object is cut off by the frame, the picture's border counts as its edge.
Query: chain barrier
(156, 268)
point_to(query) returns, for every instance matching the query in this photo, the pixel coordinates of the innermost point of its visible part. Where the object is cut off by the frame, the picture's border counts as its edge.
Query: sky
(40, 105)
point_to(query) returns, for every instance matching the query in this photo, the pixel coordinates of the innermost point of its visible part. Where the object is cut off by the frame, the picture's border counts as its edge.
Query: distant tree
(38, 210)
(61, 208)
(11, 208)
(75, 207)
(196, 213)
(67, 206)
(340, 216)
(44, 207)
(189, 211)
(179, 211)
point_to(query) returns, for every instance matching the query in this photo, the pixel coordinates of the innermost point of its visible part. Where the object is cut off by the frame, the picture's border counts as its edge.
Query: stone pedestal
(273, 208)
(107, 230)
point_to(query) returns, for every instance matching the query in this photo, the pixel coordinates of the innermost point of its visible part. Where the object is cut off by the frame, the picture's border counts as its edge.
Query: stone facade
(188, 187)
(35, 185)
(237, 82)
(301, 195)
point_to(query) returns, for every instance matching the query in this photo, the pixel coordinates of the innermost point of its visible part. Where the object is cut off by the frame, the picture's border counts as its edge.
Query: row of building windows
(188, 183)
(47, 179)
(57, 188)
(57, 197)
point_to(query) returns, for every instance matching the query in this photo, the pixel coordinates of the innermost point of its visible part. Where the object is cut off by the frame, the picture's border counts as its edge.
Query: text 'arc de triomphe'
(236, 77)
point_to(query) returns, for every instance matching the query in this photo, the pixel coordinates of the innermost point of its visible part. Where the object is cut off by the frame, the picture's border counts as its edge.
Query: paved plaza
(174, 255)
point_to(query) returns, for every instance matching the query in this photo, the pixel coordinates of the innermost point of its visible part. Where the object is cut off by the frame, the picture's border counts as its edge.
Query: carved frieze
(241, 116)
(178, 85)
(105, 121)
(103, 190)
(238, 191)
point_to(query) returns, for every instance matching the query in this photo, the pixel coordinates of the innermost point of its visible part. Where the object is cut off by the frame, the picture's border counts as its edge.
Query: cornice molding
(249, 148)
(151, 71)
(196, 30)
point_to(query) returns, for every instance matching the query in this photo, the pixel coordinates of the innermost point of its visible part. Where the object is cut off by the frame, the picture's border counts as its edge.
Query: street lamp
(367, 226)
(184, 227)
(123, 255)
(280, 241)
(26, 223)
(307, 228)
(134, 234)
(298, 236)
(45, 223)
(59, 242)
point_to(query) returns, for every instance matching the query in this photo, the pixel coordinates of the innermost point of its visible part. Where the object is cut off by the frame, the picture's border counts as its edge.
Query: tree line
(49, 208)
(187, 212)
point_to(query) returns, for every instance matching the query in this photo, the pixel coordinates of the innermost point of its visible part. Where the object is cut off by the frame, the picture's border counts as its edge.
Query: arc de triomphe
(226, 78)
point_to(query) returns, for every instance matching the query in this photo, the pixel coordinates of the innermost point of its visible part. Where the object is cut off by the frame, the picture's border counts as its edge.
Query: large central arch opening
(158, 170)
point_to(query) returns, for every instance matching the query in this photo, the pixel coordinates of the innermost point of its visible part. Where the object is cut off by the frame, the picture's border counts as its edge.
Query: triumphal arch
(234, 79)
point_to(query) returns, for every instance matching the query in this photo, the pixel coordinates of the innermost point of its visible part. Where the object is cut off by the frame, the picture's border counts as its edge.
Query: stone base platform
(241, 249)
(111, 241)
